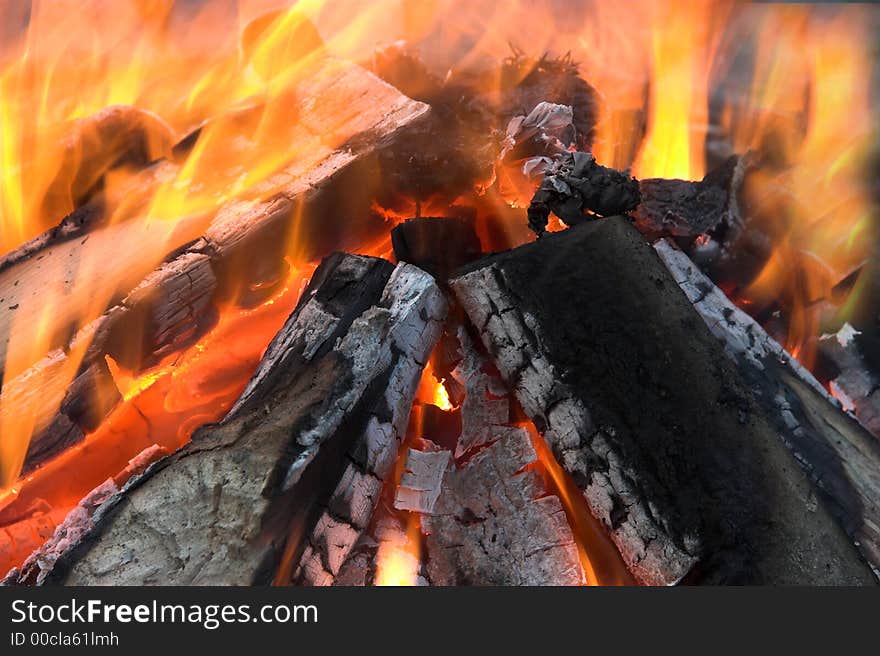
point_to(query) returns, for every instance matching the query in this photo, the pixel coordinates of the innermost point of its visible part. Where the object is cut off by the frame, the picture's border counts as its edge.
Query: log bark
(657, 428)
(220, 510)
(170, 303)
(841, 457)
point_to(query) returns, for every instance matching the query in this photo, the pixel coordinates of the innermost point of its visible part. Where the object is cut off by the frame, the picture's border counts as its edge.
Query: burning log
(686, 209)
(370, 457)
(171, 304)
(526, 82)
(658, 429)
(219, 511)
(839, 455)
(445, 155)
(487, 514)
(114, 137)
(78, 522)
(475, 534)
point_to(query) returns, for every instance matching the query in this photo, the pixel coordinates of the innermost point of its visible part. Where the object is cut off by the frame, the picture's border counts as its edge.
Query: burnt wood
(840, 456)
(688, 209)
(853, 382)
(375, 440)
(170, 303)
(576, 188)
(488, 515)
(525, 82)
(494, 522)
(440, 246)
(656, 426)
(221, 510)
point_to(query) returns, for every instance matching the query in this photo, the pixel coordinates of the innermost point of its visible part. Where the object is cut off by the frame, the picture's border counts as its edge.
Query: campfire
(439, 293)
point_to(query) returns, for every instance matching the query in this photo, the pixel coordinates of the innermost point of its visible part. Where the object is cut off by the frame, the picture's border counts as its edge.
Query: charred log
(450, 152)
(658, 429)
(687, 210)
(576, 188)
(525, 82)
(369, 459)
(839, 455)
(78, 522)
(477, 535)
(438, 245)
(221, 509)
(854, 383)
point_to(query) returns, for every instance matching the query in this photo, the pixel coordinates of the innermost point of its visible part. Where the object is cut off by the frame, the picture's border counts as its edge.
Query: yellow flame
(397, 560)
(681, 51)
(441, 396)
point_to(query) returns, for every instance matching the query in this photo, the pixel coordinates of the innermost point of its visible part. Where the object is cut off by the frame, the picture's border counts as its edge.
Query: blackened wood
(437, 245)
(656, 426)
(688, 209)
(374, 443)
(576, 187)
(485, 411)
(488, 516)
(839, 455)
(170, 305)
(88, 399)
(220, 510)
(449, 153)
(525, 82)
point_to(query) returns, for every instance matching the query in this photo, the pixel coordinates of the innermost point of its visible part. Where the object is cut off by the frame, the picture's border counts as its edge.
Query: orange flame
(161, 406)
(238, 75)
(241, 85)
(809, 113)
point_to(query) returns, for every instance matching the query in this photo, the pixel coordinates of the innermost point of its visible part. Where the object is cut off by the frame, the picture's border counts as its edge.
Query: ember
(270, 291)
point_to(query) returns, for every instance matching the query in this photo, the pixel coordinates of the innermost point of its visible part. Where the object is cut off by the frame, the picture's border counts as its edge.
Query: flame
(161, 406)
(235, 79)
(598, 555)
(398, 557)
(681, 52)
(74, 76)
(809, 113)
(441, 396)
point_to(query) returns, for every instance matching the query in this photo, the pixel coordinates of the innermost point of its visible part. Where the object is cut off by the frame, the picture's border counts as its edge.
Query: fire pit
(457, 293)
